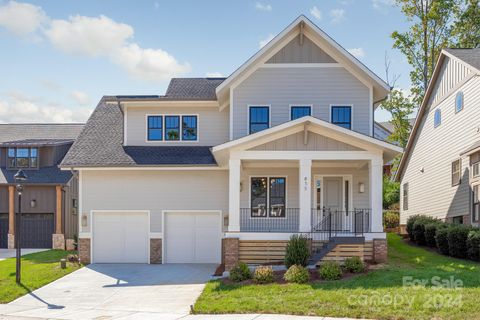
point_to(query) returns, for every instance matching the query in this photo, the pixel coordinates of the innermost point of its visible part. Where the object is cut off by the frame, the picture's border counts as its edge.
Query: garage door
(120, 237)
(193, 237)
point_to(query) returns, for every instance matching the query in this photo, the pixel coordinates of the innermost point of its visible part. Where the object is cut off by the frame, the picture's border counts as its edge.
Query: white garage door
(120, 237)
(193, 237)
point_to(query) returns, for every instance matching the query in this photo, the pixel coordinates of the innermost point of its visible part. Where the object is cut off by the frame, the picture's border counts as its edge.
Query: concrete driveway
(113, 291)
(11, 253)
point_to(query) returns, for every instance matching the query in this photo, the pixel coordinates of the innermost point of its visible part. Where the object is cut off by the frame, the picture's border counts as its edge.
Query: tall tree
(401, 108)
(429, 32)
(466, 29)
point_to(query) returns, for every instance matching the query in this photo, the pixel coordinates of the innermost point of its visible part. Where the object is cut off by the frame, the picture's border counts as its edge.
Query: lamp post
(20, 177)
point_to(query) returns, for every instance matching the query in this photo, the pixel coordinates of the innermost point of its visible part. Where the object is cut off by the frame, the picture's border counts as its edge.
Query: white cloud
(21, 18)
(263, 42)
(382, 5)
(89, 36)
(263, 6)
(316, 13)
(357, 52)
(214, 75)
(80, 97)
(337, 15)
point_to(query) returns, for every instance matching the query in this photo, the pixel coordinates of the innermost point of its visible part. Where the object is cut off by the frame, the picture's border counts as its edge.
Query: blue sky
(60, 57)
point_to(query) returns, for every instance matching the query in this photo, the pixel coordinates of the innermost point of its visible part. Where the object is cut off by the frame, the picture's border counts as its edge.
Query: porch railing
(327, 223)
(277, 219)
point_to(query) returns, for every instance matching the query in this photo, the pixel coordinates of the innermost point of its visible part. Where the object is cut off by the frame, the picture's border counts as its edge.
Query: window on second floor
(437, 118)
(300, 111)
(22, 157)
(155, 128)
(169, 128)
(259, 118)
(456, 172)
(459, 102)
(189, 128)
(342, 116)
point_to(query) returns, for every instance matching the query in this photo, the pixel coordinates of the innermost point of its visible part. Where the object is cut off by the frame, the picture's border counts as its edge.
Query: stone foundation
(84, 250)
(58, 241)
(70, 244)
(380, 250)
(11, 241)
(230, 252)
(155, 251)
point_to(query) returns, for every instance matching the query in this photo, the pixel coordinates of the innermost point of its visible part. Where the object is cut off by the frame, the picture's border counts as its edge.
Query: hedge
(410, 222)
(457, 240)
(441, 238)
(419, 228)
(430, 232)
(473, 245)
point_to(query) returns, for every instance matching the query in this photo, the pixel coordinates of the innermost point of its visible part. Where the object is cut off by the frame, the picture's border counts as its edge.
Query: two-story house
(50, 196)
(227, 169)
(440, 169)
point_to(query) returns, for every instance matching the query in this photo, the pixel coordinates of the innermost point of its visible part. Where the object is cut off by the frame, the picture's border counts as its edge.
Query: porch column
(11, 217)
(305, 194)
(58, 238)
(376, 201)
(234, 195)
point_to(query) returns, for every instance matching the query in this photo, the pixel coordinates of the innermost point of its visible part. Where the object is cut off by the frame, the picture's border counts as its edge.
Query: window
(437, 118)
(405, 196)
(22, 157)
(268, 197)
(476, 169)
(457, 220)
(259, 119)
(459, 102)
(189, 128)
(172, 128)
(342, 116)
(300, 111)
(155, 128)
(456, 168)
(476, 203)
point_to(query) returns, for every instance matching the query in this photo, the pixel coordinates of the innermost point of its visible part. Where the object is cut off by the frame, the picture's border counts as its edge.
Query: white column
(376, 194)
(305, 194)
(234, 195)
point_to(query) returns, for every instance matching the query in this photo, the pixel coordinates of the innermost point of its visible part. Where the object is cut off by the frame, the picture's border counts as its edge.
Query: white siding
(451, 73)
(319, 87)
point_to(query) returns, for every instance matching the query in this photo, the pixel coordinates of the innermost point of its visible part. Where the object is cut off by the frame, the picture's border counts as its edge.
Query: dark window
(11, 157)
(342, 116)
(456, 169)
(476, 204)
(437, 118)
(405, 196)
(277, 197)
(459, 101)
(33, 158)
(259, 119)
(300, 111)
(22, 157)
(457, 220)
(155, 128)
(189, 128)
(258, 197)
(172, 128)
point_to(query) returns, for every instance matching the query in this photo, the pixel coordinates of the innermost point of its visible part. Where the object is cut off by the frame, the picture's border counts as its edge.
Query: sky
(58, 58)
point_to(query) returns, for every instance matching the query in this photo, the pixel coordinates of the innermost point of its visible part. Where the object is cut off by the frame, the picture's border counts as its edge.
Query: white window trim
(268, 194)
(475, 164)
(249, 106)
(290, 106)
(342, 105)
(434, 120)
(163, 128)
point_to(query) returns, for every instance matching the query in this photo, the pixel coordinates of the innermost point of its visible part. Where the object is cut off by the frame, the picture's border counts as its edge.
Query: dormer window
(172, 128)
(22, 157)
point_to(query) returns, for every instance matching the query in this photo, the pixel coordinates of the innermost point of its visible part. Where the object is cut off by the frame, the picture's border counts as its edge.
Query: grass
(378, 294)
(38, 269)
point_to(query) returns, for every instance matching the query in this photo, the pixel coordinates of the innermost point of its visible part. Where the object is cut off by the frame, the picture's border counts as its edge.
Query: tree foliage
(401, 109)
(466, 29)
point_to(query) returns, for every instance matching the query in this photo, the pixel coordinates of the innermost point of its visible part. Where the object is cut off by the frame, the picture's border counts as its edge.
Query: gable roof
(27, 131)
(459, 55)
(331, 47)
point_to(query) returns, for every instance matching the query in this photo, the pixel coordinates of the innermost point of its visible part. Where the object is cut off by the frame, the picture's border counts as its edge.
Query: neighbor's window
(476, 169)
(456, 168)
(405, 196)
(259, 119)
(22, 157)
(300, 111)
(476, 203)
(258, 197)
(189, 128)
(342, 116)
(459, 101)
(437, 118)
(155, 128)
(172, 128)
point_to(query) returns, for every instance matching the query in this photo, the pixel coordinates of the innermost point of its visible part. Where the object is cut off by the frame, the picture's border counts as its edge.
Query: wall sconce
(33, 203)
(361, 187)
(422, 169)
(84, 220)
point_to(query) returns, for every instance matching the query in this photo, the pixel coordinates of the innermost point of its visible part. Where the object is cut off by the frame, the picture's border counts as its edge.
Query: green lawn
(378, 294)
(38, 269)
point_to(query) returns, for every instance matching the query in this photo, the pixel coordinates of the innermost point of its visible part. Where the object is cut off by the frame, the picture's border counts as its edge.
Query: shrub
(297, 251)
(240, 272)
(296, 274)
(473, 245)
(419, 229)
(391, 219)
(354, 264)
(391, 192)
(410, 221)
(441, 238)
(457, 240)
(263, 274)
(330, 270)
(430, 232)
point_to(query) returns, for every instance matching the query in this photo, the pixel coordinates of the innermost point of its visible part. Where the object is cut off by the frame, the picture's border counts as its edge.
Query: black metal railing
(275, 219)
(327, 223)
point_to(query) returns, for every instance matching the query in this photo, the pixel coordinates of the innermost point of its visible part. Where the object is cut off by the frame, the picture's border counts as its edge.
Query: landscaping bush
(473, 245)
(419, 229)
(457, 240)
(354, 264)
(297, 251)
(263, 274)
(296, 274)
(391, 219)
(330, 270)
(441, 238)
(430, 232)
(240, 272)
(410, 221)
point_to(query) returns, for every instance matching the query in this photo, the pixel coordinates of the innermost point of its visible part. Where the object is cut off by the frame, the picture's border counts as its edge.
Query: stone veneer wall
(230, 252)
(156, 251)
(84, 250)
(380, 250)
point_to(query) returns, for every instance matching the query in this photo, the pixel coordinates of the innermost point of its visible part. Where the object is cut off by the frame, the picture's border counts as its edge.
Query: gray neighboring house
(439, 172)
(50, 197)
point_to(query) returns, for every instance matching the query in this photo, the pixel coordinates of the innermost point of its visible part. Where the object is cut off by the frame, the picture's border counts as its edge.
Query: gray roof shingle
(23, 131)
(36, 142)
(470, 56)
(171, 155)
(193, 88)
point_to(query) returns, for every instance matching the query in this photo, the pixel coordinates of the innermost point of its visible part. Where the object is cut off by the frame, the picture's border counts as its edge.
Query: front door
(328, 197)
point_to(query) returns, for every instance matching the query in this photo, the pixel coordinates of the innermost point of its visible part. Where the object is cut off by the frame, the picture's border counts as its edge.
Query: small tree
(391, 192)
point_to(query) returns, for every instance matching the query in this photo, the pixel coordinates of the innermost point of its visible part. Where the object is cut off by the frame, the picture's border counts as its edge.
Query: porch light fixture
(84, 220)
(361, 187)
(20, 177)
(33, 203)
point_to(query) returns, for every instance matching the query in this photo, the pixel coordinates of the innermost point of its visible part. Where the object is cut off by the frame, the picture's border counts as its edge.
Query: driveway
(113, 291)
(11, 253)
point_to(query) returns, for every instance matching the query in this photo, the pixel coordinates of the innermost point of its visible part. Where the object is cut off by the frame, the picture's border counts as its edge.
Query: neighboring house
(227, 169)
(50, 196)
(439, 171)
